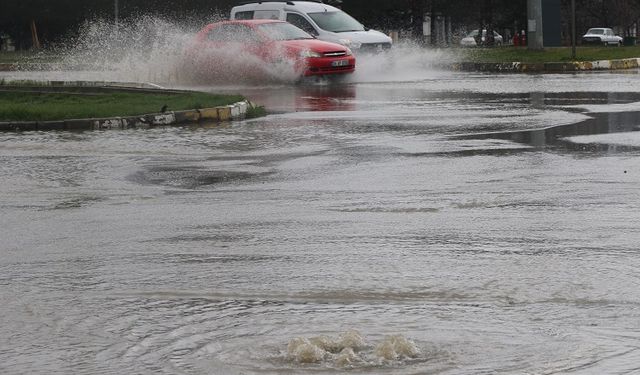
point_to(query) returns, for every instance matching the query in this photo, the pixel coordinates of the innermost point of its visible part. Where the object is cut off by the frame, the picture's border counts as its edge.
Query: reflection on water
(601, 123)
(389, 228)
(597, 123)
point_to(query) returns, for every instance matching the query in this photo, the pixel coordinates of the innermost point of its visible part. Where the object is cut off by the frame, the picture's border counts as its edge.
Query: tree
(621, 15)
(56, 19)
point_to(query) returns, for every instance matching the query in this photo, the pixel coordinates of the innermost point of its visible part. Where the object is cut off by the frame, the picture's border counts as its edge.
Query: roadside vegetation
(12, 57)
(256, 111)
(28, 104)
(557, 54)
(26, 57)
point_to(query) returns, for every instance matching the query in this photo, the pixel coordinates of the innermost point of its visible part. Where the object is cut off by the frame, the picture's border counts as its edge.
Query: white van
(323, 21)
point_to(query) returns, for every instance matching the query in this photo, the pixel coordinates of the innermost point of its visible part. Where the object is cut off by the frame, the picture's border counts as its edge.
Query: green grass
(257, 111)
(11, 57)
(22, 105)
(559, 54)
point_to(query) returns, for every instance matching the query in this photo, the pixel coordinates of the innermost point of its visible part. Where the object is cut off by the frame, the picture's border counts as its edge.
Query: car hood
(313, 45)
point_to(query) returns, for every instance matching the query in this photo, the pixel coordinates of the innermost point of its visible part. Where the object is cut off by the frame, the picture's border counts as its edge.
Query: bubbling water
(350, 350)
(396, 347)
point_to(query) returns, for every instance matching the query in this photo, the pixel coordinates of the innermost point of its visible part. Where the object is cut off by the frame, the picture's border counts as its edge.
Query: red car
(253, 48)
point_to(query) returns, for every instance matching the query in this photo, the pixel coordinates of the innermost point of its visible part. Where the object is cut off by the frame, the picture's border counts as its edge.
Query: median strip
(86, 107)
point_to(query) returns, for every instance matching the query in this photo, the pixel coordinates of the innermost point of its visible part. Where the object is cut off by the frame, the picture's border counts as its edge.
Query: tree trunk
(34, 35)
(417, 11)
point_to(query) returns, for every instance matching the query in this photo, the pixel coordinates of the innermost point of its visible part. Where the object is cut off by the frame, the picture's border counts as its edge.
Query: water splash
(404, 62)
(235, 65)
(144, 49)
(152, 49)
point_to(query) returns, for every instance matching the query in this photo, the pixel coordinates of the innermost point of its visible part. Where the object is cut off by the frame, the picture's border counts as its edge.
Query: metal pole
(535, 41)
(573, 30)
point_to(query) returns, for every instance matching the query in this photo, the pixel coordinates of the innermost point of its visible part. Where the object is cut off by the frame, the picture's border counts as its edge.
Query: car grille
(375, 47)
(336, 68)
(335, 54)
(332, 69)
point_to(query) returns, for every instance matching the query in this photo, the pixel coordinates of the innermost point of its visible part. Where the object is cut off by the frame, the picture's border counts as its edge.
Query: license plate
(340, 63)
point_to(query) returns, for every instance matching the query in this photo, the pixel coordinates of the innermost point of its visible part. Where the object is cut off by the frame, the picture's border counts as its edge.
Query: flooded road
(461, 224)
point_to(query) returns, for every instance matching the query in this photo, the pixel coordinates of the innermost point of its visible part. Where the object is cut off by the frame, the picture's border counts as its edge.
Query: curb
(236, 111)
(552, 67)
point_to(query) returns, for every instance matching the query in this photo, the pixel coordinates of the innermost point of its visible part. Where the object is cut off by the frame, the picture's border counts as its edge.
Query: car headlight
(350, 43)
(308, 53)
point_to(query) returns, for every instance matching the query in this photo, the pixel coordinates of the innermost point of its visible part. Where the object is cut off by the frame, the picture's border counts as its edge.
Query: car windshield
(283, 31)
(595, 31)
(337, 22)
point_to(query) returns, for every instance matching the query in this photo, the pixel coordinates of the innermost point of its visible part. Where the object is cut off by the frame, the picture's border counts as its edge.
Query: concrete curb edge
(552, 67)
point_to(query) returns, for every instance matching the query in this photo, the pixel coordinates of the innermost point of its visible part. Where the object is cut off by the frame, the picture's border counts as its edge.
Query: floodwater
(453, 224)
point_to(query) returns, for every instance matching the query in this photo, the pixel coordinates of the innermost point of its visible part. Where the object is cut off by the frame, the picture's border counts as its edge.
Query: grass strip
(48, 106)
(557, 54)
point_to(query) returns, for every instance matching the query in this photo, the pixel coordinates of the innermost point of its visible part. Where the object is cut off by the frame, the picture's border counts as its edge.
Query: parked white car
(602, 36)
(470, 39)
(323, 21)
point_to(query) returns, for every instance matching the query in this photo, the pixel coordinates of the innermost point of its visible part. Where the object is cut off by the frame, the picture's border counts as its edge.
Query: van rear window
(246, 15)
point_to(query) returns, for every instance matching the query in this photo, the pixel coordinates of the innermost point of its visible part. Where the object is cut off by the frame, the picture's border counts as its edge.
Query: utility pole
(534, 25)
(573, 30)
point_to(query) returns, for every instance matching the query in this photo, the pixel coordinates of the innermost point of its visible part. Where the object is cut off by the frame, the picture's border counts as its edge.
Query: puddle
(190, 177)
(600, 122)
